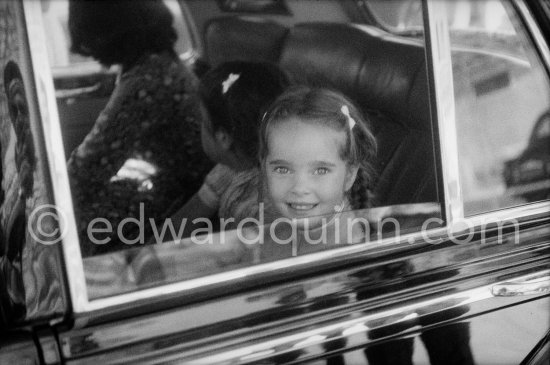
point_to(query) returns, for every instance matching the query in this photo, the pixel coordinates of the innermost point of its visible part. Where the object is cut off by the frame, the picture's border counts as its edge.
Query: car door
(462, 278)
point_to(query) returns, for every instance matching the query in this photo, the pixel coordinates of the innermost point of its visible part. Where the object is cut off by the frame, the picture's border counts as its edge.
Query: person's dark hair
(333, 110)
(120, 31)
(236, 94)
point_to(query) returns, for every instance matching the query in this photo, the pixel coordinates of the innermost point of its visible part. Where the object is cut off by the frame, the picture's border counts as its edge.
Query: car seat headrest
(243, 38)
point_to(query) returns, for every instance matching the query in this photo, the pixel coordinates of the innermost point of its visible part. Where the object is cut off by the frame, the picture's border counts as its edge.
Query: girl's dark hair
(120, 31)
(236, 95)
(330, 109)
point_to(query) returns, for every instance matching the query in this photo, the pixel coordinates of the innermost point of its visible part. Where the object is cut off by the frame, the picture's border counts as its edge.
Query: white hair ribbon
(351, 121)
(229, 81)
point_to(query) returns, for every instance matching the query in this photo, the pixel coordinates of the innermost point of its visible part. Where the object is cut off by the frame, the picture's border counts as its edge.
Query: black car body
(461, 276)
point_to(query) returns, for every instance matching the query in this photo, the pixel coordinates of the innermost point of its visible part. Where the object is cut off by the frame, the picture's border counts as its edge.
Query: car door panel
(359, 307)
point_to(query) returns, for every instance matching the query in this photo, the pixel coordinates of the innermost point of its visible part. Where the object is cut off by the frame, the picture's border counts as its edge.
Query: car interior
(330, 44)
(385, 74)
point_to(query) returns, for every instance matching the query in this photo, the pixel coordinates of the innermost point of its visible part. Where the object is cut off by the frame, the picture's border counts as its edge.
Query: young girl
(235, 95)
(316, 153)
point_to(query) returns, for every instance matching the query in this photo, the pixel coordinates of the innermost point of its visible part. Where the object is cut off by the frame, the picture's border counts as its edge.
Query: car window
(382, 74)
(393, 204)
(501, 90)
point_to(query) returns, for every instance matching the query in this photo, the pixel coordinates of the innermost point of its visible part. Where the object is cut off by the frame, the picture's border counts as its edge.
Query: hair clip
(351, 121)
(229, 81)
(340, 207)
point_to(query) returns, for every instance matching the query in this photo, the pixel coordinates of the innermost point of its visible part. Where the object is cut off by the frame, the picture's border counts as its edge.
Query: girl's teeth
(301, 206)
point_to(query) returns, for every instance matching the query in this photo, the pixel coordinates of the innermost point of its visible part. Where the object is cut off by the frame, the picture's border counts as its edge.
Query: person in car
(235, 95)
(143, 152)
(314, 143)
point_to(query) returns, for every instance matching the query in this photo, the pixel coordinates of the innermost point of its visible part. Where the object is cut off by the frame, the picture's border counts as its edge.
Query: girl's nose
(301, 184)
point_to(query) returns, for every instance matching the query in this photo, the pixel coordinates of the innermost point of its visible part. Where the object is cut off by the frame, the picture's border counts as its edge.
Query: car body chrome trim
(55, 153)
(535, 285)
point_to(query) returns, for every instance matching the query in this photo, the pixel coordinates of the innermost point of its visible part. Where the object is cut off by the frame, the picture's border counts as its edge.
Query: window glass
(502, 98)
(166, 180)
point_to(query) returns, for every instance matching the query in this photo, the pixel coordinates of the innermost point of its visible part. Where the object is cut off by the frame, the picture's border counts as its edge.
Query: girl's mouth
(301, 207)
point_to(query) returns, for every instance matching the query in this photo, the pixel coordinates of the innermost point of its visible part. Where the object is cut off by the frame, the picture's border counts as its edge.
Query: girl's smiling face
(305, 174)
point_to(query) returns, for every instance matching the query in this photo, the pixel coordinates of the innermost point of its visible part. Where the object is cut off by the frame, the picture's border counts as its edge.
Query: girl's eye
(281, 170)
(321, 171)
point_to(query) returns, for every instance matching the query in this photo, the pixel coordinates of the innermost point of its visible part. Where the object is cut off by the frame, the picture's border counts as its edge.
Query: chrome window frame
(442, 104)
(438, 52)
(54, 152)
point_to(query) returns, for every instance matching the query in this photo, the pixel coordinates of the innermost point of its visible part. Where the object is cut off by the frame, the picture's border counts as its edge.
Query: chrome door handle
(536, 285)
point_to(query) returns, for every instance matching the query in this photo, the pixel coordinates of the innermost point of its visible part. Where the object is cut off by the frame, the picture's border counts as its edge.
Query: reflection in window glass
(206, 252)
(28, 227)
(502, 98)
